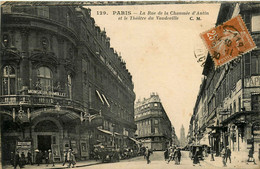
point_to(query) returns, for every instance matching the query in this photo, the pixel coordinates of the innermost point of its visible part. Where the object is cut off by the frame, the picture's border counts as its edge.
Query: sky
(160, 53)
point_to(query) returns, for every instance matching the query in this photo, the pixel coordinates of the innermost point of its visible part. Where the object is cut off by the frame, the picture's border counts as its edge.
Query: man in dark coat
(166, 154)
(228, 154)
(179, 155)
(38, 157)
(29, 158)
(196, 157)
(17, 160)
(147, 154)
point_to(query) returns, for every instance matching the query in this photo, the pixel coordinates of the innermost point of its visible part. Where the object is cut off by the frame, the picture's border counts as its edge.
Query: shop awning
(204, 140)
(99, 96)
(106, 100)
(137, 142)
(106, 131)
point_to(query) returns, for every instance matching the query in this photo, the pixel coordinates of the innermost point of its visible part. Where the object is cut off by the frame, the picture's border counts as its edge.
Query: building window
(8, 87)
(255, 65)
(255, 22)
(69, 87)
(90, 96)
(252, 64)
(234, 107)
(43, 11)
(239, 104)
(255, 101)
(155, 121)
(45, 78)
(156, 130)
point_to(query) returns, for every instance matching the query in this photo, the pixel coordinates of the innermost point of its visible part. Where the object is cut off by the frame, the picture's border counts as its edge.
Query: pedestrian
(46, 157)
(69, 157)
(166, 154)
(251, 156)
(212, 154)
(147, 155)
(175, 155)
(65, 153)
(12, 158)
(179, 155)
(29, 158)
(223, 154)
(171, 154)
(196, 157)
(22, 161)
(73, 158)
(38, 157)
(228, 154)
(50, 158)
(17, 160)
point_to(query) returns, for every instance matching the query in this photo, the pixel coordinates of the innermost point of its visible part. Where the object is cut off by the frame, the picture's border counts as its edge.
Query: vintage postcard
(130, 84)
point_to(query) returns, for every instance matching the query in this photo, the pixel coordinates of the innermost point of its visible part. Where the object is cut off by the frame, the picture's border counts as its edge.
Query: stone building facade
(62, 85)
(227, 109)
(154, 128)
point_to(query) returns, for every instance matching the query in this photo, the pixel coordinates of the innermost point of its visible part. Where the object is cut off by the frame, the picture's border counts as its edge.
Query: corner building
(62, 85)
(154, 128)
(227, 109)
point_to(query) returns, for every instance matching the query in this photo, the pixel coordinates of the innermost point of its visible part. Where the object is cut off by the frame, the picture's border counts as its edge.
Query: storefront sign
(23, 145)
(49, 93)
(253, 81)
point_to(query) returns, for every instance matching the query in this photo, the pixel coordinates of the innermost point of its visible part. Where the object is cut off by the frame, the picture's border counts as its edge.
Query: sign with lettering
(41, 92)
(253, 81)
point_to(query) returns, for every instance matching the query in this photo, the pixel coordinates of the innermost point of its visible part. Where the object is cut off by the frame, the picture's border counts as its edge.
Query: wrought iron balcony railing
(36, 100)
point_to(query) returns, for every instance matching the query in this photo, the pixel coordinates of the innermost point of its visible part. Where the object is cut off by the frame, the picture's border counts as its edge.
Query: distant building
(175, 140)
(182, 137)
(154, 128)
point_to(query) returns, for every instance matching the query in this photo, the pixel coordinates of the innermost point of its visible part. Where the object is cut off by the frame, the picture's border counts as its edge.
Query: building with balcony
(227, 109)
(154, 128)
(62, 85)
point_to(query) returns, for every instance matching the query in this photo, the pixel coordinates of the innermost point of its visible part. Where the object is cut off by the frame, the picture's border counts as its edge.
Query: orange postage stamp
(228, 40)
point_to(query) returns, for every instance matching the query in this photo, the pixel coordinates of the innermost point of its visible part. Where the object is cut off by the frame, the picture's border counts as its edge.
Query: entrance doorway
(44, 142)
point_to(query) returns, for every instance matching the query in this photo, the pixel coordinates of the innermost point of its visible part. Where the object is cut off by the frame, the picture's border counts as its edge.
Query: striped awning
(106, 100)
(100, 97)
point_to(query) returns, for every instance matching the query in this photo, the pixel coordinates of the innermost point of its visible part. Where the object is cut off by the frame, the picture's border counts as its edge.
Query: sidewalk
(57, 165)
(234, 164)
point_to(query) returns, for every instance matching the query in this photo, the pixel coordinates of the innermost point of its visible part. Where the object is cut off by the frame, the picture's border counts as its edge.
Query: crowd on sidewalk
(45, 157)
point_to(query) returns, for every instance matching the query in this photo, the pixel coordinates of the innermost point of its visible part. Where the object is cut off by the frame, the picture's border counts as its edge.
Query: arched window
(45, 79)
(69, 87)
(8, 87)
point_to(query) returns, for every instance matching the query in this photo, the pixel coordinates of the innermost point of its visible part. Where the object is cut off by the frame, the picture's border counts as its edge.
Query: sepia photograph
(130, 84)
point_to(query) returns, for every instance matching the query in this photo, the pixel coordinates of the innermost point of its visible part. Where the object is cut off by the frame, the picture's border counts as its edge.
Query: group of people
(46, 156)
(173, 153)
(18, 159)
(69, 157)
(226, 154)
